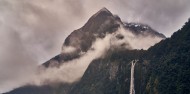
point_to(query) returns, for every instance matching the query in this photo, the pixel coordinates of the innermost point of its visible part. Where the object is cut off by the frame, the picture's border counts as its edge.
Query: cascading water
(132, 89)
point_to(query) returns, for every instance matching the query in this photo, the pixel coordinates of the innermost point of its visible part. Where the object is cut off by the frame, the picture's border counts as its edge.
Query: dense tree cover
(110, 75)
(170, 64)
(162, 69)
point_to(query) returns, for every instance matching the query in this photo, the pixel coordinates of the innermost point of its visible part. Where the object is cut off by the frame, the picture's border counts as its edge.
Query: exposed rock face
(143, 30)
(107, 75)
(101, 23)
(81, 39)
(97, 26)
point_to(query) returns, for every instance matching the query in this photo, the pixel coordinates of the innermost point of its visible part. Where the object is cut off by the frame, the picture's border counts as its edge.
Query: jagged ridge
(104, 79)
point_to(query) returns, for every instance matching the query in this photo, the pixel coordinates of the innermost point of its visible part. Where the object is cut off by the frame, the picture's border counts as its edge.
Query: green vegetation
(163, 69)
(170, 64)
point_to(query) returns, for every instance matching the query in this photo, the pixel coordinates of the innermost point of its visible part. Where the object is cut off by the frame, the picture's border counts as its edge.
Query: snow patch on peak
(136, 25)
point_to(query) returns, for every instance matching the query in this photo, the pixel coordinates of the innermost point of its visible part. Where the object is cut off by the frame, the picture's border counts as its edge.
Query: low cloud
(133, 41)
(33, 31)
(72, 71)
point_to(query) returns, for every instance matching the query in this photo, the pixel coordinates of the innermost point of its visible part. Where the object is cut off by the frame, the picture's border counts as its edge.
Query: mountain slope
(81, 39)
(170, 63)
(101, 23)
(162, 69)
(110, 75)
(142, 29)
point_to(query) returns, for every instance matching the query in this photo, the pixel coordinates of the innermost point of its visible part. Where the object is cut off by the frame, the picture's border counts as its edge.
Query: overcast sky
(33, 31)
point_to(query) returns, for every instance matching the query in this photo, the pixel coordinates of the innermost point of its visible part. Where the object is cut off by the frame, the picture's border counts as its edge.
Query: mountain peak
(103, 11)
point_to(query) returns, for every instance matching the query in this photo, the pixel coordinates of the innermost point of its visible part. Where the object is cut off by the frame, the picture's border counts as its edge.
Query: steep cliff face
(97, 26)
(109, 74)
(80, 40)
(163, 69)
(100, 24)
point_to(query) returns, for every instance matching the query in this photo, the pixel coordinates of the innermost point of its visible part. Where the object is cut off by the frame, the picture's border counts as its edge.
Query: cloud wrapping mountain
(40, 26)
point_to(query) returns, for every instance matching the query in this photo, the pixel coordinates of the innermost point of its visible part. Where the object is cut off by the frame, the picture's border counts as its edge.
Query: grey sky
(32, 31)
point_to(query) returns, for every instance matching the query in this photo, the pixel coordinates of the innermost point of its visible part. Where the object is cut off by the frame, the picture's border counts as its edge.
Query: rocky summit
(98, 26)
(161, 69)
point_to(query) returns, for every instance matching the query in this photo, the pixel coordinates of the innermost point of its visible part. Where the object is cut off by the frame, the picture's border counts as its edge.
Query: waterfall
(132, 89)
